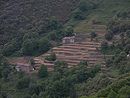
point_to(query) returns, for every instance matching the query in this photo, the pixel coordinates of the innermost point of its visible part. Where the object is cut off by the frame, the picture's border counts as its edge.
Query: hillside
(65, 49)
(118, 89)
(20, 16)
(105, 11)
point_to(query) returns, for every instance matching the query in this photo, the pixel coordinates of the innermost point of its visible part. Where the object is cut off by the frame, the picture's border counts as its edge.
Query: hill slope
(106, 10)
(19, 16)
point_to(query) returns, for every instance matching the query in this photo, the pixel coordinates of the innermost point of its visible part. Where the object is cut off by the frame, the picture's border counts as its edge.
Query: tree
(83, 6)
(11, 47)
(42, 73)
(35, 96)
(86, 5)
(93, 35)
(30, 35)
(29, 47)
(128, 33)
(23, 83)
(112, 94)
(108, 36)
(104, 44)
(83, 63)
(5, 69)
(78, 15)
(51, 57)
(69, 31)
(127, 48)
(53, 24)
(60, 67)
(121, 57)
(5, 73)
(59, 89)
(35, 89)
(43, 45)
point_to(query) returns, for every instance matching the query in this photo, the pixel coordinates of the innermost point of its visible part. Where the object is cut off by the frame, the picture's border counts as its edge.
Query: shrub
(128, 33)
(29, 47)
(44, 45)
(112, 94)
(42, 73)
(93, 35)
(83, 6)
(108, 36)
(83, 63)
(51, 57)
(104, 46)
(23, 83)
(78, 15)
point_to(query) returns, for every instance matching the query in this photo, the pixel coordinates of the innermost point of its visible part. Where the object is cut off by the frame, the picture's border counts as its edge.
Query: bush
(69, 31)
(23, 83)
(83, 63)
(44, 45)
(29, 47)
(104, 46)
(93, 35)
(42, 73)
(83, 6)
(11, 47)
(51, 57)
(108, 36)
(112, 94)
(30, 35)
(86, 5)
(128, 33)
(78, 15)
(53, 24)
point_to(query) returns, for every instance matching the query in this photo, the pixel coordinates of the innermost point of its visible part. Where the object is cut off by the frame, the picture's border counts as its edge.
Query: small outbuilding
(21, 64)
(68, 40)
(27, 68)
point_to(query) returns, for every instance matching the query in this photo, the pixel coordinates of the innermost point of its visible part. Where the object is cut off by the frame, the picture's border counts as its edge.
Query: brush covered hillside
(19, 17)
(35, 64)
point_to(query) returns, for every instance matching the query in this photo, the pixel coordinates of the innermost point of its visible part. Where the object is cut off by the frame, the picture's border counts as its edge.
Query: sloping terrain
(118, 89)
(20, 16)
(105, 11)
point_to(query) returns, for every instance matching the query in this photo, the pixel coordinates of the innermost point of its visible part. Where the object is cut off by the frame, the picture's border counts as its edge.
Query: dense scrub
(58, 84)
(19, 18)
(31, 33)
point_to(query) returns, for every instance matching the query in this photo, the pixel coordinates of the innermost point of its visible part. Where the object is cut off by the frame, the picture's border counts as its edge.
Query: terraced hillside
(18, 16)
(73, 54)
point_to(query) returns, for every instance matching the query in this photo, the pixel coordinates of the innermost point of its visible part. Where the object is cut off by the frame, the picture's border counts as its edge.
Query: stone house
(27, 68)
(21, 64)
(68, 40)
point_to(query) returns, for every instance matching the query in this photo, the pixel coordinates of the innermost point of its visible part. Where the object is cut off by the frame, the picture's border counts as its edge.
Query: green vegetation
(31, 35)
(26, 31)
(43, 72)
(60, 83)
(105, 11)
(119, 89)
(93, 35)
(51, 57)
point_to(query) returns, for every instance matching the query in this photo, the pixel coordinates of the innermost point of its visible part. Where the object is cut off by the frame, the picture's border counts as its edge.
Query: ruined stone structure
(22, 64)
(24, 67)
(68, 40)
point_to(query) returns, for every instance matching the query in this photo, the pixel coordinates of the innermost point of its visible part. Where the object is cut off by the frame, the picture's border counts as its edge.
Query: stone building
(27, 68)
(68, 40)
(22, 64)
